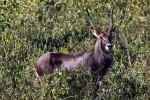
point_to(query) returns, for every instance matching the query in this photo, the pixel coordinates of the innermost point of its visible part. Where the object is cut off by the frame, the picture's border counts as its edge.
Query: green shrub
(30, 28)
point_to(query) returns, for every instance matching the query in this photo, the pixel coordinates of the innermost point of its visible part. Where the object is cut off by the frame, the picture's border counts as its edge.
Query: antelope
(96, 61)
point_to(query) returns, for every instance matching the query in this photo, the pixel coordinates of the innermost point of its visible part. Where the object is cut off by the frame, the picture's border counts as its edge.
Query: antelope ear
(94, 32)
(112, 31)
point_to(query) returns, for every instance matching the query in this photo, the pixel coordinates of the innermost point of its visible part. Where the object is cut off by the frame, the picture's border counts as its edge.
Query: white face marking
(108, 47)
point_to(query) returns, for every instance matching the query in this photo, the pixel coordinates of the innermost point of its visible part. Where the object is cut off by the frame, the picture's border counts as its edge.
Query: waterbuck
(96, 61)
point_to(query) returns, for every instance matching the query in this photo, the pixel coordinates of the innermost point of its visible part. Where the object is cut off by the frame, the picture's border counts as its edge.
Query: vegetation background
(29, 28)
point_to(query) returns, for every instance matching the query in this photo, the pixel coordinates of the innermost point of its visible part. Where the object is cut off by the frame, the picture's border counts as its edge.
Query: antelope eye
(101, 37)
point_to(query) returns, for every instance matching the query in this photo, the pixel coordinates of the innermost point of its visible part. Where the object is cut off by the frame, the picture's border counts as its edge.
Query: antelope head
(104, 38)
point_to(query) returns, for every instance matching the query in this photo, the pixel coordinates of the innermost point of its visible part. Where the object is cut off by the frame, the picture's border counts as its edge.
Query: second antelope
(96, 61)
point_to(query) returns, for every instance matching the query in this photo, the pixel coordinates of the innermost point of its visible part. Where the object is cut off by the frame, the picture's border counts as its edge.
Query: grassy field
(29, 28)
